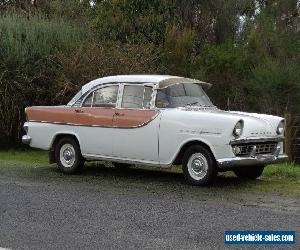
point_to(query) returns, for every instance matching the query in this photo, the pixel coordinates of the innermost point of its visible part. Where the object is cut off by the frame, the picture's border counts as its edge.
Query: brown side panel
(102, 117)
(67, 115)
(131, 118)
(51, 114)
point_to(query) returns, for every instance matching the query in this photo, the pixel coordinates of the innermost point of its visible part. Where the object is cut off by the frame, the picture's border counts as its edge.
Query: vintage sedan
(155, 120)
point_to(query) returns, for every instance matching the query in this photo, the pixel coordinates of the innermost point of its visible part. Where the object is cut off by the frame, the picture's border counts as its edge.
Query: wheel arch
(56, 139)
(186, 145)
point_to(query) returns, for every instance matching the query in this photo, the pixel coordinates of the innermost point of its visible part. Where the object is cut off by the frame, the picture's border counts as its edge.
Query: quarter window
(88, 101)
(136, 97)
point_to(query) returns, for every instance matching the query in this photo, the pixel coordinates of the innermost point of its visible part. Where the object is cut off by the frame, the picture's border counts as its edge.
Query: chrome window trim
(120, 94)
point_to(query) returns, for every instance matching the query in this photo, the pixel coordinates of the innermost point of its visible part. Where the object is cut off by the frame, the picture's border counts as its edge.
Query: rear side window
(136, 97)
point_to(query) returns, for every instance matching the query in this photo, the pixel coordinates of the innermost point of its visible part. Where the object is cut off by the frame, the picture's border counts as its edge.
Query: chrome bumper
(250, 161)
(26, 139)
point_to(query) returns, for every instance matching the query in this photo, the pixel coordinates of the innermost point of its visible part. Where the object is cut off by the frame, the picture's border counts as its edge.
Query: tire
(249, 173)
(121, 165)
(68, 155)
(198, 165)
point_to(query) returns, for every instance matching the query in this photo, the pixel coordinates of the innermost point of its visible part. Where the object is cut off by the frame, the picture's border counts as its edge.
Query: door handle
(119, 114)
(79, 111)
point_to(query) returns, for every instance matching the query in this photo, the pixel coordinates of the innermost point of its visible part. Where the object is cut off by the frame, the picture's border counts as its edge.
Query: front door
(136, 126)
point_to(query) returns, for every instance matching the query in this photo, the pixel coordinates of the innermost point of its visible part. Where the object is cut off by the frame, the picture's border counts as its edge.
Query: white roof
(163, 81)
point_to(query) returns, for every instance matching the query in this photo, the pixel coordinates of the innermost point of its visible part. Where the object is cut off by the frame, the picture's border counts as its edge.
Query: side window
(106, 97)
(88, 101)
(103, 97)
(136, 97)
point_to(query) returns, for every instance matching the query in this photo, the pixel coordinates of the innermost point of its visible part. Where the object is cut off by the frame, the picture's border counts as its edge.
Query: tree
(133, 21)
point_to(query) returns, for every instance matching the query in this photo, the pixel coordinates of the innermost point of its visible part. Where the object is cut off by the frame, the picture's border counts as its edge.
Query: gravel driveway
(117, 211)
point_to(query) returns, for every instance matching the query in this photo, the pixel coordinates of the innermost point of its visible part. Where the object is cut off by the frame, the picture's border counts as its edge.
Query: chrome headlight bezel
(238, 129)
(280, 128)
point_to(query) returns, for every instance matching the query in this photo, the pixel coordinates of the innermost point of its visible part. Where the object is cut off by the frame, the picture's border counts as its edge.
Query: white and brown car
(155, 120)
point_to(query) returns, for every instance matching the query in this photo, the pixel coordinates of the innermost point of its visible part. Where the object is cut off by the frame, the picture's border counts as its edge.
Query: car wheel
(121, 165)
(68, 156)
(249, 173)
(198, 165)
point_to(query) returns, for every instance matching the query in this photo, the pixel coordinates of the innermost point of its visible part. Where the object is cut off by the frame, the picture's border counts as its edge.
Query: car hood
(255, 125)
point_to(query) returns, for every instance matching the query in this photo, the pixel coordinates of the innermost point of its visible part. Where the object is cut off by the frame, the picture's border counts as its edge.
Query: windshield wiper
(201, 105)
(192, 103)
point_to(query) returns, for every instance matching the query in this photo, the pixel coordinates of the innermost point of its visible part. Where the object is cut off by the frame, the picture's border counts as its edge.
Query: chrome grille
(248, 148)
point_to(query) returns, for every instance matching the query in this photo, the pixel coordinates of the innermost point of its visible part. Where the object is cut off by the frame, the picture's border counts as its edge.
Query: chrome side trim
(125, 160)
(26, 139)
(251, 161)
(255, 139)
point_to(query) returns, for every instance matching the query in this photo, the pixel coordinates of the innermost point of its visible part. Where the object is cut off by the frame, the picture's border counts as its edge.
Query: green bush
(46, 62)
(25, 41)
(27, 71)
(278, 86)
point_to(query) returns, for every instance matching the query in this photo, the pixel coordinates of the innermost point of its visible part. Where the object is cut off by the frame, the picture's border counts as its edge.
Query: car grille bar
(246, 149)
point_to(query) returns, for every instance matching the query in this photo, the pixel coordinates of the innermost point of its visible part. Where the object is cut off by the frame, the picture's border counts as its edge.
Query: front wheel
(249, 173)
(68, 155)
(198, 165)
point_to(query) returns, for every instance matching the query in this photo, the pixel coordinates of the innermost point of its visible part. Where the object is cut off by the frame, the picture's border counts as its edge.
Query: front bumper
(26, 139)
(251, 161)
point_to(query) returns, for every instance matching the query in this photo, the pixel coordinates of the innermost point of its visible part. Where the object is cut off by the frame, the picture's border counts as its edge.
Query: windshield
(182, 95)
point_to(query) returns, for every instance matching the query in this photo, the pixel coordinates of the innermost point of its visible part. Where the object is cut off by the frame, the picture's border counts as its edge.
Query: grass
(283, 171)
(32, 165)
(28, 156)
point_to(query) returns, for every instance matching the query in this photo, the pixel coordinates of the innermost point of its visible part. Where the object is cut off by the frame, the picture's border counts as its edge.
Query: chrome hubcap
(67, 155)
(197, 166)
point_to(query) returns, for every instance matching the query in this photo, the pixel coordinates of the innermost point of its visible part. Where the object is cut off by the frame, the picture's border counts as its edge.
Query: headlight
(238, 129)
(280, 128)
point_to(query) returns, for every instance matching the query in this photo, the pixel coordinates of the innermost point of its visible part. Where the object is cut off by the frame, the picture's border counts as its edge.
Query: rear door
(95, 118)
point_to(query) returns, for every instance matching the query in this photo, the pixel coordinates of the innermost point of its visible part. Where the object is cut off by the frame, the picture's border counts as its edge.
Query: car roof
(162, 81)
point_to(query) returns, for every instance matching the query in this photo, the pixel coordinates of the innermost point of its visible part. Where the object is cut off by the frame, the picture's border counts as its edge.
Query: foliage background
(248, 49)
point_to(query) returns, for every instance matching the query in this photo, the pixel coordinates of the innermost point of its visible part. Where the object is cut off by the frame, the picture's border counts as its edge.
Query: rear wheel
(68, 155)
(249, 173)
(198, 165)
